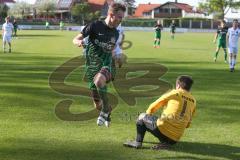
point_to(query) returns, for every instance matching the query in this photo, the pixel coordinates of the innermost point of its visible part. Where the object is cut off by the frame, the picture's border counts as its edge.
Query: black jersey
(15, 25)
(222, 33)
(102, 38)
(158, 28)
(173, 26)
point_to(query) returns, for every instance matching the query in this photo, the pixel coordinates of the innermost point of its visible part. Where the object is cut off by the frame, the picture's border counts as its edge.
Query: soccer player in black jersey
(103, 36)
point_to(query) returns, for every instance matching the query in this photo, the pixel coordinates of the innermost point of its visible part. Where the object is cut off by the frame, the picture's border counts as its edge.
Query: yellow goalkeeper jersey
(179, 107)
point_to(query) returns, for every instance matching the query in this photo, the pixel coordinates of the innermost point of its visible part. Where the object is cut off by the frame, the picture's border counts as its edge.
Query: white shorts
(7, 39)
(117, 50)
(233, 50)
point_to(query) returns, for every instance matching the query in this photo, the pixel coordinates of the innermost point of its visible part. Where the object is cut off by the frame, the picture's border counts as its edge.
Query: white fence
(79, 28)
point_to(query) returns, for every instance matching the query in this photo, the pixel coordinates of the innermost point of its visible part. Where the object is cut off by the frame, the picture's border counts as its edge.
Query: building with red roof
(167, 10)
(100, 5)
(145, 10)
(64, 6)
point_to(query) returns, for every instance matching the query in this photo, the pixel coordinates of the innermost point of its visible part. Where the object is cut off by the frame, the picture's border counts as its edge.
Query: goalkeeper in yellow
(178, 108)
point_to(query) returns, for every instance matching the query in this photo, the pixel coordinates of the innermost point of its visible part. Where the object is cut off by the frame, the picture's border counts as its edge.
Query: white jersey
(8, 28)
(233, 37)
(85, 41)
(118, 49)
(121, 32)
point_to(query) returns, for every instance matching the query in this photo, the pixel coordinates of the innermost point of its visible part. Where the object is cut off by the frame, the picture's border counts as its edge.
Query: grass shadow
(204, 149)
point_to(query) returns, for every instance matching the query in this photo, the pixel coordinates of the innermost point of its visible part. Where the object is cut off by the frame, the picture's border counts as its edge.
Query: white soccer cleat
(107, 123)
(100, 121)
(104, 118)
(133, 144)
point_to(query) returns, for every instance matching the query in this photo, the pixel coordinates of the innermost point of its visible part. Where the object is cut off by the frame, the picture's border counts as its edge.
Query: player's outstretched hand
(78, 42)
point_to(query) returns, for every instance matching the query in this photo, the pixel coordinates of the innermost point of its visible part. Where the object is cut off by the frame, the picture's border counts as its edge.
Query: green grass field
(30, 129)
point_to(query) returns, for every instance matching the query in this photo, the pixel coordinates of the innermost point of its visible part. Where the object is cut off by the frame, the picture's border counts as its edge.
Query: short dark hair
(185, 82)
(115, 7)
(235, 20)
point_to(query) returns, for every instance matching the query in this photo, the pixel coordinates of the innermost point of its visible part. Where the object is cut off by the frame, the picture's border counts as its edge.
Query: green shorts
(95, 66)
(172, 30)
(221, 44)
(158, 36)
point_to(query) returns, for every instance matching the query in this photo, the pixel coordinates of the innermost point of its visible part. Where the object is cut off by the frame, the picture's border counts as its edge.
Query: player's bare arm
(78, 40)
(215, 38)
(227, 38)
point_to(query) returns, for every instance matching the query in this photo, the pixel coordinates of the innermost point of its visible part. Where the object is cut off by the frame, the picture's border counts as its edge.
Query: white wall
(232, 14)
(194, 15)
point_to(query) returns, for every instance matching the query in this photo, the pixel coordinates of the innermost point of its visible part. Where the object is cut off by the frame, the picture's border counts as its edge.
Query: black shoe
(231, 69)
(161, 146)
(133, 144)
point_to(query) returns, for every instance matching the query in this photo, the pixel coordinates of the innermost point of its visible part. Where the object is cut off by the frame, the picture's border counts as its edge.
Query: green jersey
(222, 33)
(61, 24)
(158, 29)
(173, 27)
(101, 42)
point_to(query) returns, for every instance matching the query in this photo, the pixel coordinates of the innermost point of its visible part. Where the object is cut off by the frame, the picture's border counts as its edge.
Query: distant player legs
(4, 46)
(217, 51)
(225, 54)
(232, 57)
(7, 39)
(231, 61)
(234, 60)
(216, 54)
(157, 42)
(172, 35)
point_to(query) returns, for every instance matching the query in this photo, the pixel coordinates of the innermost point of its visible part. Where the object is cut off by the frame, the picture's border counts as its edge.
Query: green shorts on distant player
(158, 27)
(220, 37)
(221, 43)
(158, 34)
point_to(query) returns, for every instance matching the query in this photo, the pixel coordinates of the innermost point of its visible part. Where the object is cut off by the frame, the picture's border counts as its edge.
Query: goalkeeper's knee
(140, 118)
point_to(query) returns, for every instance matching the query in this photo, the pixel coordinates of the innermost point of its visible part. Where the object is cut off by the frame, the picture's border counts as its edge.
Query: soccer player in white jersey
(232, 37)
(85, 43)
(7, 30)
(117, 52)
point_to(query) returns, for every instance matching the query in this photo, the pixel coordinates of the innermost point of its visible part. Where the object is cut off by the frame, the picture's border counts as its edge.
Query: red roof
(142, 8)
(7, 1)
(99, 2)
(183, 6)
(96, 5)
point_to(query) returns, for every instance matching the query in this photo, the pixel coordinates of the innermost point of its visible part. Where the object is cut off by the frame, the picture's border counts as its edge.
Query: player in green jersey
(158, 27)
(172, 29)
(102, 38)
(220, 37)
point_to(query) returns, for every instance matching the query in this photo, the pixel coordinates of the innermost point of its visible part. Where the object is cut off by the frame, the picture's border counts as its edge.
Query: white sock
(230, 62)
(234, 62)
